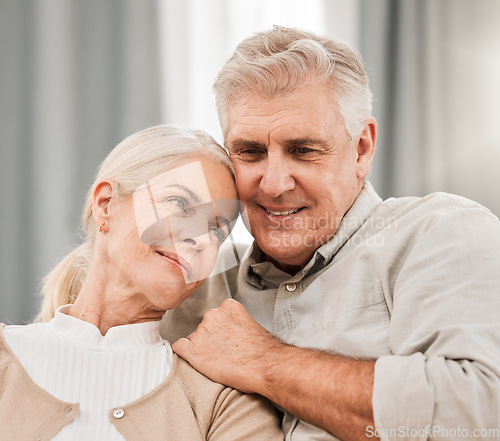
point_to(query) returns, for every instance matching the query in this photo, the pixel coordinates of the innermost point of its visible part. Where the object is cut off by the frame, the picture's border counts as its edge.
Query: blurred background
(76, 77)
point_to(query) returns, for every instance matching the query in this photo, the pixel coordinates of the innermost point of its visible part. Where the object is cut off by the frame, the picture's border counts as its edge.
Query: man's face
(297, 170)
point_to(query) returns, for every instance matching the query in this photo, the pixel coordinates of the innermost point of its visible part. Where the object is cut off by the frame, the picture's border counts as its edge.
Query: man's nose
(277, 175)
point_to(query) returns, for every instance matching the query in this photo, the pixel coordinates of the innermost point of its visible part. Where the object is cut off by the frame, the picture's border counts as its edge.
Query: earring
(101, 227)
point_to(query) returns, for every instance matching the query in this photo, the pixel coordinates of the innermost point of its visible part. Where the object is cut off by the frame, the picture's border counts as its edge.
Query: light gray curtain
(76, 77)
(435, 72)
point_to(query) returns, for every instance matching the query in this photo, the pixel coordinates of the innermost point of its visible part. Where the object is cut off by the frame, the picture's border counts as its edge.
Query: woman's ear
(100, 204)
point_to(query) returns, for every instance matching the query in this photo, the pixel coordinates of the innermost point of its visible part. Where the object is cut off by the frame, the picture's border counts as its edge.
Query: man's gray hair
(282, 59)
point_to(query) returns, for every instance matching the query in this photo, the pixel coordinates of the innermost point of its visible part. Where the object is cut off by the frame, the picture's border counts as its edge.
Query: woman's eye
(219, 234)
(179, 202)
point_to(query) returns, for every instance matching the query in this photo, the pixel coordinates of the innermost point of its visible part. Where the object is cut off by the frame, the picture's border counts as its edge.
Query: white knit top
(71, 360)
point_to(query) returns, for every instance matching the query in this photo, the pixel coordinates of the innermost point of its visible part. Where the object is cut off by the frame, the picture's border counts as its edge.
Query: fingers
(228, 310)
(232, 304)
(227, 347)
(216, 326)
(228, 307)
(182, 348)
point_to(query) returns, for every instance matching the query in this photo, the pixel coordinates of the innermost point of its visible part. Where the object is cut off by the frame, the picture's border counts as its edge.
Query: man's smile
(282, 211)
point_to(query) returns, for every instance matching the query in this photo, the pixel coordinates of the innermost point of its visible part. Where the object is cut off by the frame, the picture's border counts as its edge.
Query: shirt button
(257, 270)
(291, 287)
(118, 413)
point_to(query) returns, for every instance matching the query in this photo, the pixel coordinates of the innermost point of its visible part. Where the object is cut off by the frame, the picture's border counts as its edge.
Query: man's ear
(366, 148)
(101, 198)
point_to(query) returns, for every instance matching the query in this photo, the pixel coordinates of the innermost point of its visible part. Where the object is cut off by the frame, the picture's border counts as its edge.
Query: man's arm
(441, 372)
(329, 391)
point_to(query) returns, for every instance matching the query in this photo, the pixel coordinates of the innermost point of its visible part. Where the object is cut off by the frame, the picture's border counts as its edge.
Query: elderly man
(366, 318)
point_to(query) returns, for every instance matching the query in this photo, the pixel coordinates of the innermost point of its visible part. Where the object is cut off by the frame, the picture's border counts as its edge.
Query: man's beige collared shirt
(413, 283)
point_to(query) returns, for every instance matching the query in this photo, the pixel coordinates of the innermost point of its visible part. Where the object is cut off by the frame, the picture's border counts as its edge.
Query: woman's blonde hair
(132, 162)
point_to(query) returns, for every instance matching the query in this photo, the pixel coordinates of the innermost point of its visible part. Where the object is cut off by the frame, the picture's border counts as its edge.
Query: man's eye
(250, 154)
(303, 150)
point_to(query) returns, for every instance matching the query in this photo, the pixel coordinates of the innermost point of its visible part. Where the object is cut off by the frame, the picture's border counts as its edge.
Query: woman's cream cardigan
(187, 406)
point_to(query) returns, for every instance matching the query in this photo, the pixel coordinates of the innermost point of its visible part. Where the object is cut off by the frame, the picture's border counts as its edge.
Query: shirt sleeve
(443, 379)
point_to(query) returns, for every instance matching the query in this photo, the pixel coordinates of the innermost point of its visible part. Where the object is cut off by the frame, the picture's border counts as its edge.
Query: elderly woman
(162, 204)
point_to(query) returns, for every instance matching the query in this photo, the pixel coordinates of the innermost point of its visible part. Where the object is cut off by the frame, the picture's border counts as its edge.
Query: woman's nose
(198, 243)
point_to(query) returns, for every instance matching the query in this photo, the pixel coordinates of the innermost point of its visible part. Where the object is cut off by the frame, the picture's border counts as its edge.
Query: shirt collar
(262, 274)
(133, 336)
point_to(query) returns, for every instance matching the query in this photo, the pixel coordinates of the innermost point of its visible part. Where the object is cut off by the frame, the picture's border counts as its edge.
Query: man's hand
(230, 347)
(329, 391)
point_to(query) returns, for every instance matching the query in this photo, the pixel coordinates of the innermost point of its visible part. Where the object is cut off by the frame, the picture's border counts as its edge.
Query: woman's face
(163, 242)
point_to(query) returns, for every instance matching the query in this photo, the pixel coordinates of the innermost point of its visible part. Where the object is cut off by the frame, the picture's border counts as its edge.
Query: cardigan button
(118, 413)
(68, 411)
